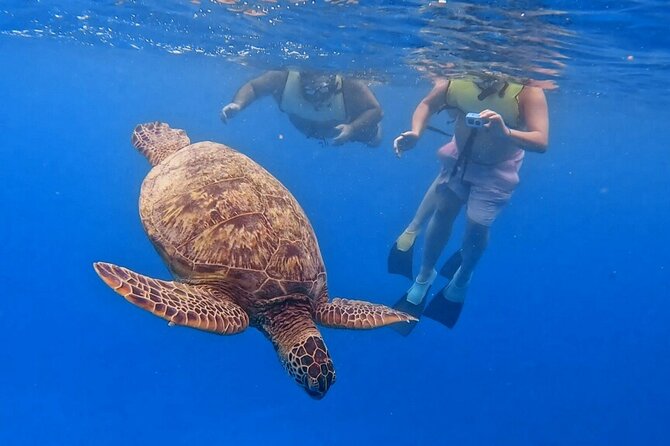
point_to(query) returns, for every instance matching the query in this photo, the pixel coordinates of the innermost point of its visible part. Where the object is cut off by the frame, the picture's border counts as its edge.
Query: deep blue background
(564, 339)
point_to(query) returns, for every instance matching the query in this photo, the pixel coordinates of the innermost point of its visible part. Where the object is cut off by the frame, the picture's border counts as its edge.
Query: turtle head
(309, 363)
(299, 344)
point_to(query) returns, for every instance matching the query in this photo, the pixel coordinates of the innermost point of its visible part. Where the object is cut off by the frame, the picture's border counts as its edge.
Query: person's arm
(362, 108)
(428, 106)
(365, 109)
(271, 82)
(533, 106)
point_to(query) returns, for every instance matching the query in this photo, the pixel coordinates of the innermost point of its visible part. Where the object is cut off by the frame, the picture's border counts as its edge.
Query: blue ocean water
(564, 339)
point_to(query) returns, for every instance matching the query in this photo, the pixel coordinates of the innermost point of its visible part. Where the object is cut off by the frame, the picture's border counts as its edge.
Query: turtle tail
(157, 140)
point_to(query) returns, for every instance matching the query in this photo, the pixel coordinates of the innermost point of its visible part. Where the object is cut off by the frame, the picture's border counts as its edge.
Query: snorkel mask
(318, 88)
(489, 83)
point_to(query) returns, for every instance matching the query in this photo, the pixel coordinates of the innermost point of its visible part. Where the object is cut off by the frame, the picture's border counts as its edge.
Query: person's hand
(229, 111)
(495, 123)
(405, 142)
(345, 134)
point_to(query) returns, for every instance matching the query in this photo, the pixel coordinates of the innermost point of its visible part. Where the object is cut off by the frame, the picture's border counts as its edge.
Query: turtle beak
(318, 387)
(312, 367)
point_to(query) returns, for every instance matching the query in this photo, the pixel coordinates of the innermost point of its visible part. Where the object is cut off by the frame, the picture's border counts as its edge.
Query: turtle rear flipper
(358, 314)
(179, 303)
(157, 140)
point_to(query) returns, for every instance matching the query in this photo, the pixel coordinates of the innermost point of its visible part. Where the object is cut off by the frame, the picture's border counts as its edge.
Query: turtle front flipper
(358, 314)
(180, 303)
(157, 140)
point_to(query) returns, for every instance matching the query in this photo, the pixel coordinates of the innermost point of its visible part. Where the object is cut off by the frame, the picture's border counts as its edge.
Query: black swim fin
(442, 310)
(411, 309)
(400, 262)
(451, 265)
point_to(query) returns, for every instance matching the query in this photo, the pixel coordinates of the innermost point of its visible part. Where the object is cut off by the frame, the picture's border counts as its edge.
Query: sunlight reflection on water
(388, 41)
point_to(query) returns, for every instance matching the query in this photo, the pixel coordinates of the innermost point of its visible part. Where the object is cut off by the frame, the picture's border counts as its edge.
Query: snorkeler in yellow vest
(496, 122)
(322, 106)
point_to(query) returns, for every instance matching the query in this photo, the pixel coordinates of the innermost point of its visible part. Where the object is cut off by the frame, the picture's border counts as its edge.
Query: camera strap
(464, 156)
(438, 131)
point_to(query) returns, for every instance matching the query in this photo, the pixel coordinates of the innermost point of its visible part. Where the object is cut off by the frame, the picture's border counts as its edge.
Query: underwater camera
(473, 120)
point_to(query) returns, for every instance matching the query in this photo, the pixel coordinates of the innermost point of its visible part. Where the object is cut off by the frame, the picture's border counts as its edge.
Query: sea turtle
(242, 252)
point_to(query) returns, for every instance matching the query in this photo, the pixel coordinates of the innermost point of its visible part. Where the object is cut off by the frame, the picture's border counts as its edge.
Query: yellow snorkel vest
(293, 102)
(462, 94)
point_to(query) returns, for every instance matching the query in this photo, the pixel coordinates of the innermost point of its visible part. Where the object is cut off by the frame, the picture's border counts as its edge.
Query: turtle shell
(216, 216)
